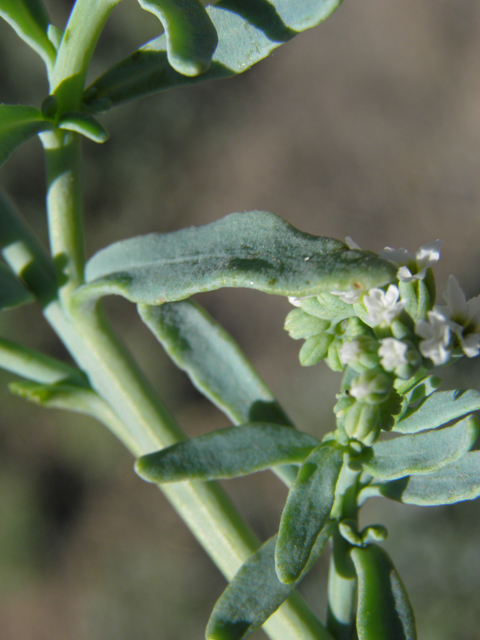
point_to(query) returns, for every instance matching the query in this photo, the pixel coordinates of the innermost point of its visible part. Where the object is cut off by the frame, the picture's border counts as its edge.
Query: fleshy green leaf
(30, 20)
(438, 409)
(421, 453)
(227, 453)
(257, 250)
(256, 592)
(306, 511)
(85, 124)
(214, 362)
(190, 34)
(302, 325)
(18, 124)
(457, 481)
(248, 31)
(12, 291)
(383, 610)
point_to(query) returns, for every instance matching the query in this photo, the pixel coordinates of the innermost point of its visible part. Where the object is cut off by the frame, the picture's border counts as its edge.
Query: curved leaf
(256, 592)
(227, 453)
(12, 291)
(18, 124)
(257, 250)
(248, 31)
(190, 34)
(85, 124)
(383, 610)
(457, 481)
(422, 453)
(306, 511)
(438, 409)
(30, 20)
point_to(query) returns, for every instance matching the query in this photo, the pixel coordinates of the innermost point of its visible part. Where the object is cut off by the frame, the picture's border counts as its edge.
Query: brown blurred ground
(368, 126)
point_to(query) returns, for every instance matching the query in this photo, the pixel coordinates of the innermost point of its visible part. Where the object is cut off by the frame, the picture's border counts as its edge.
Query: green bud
(372, 386)
(362, 422)
(315, 349)
(361, 353)
(333, 357)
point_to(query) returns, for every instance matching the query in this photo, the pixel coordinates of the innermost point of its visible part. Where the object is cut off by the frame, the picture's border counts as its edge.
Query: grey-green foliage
(255, 250)
(226, 453)
(248, 31)
(256, 592)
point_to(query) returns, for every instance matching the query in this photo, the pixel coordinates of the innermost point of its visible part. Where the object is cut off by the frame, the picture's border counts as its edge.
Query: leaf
(438, 409)
(257, 250)
(30, 20)
(302, 325)
(190, 34)
(12, 291)
(383, 610)
(214, 362)
(422, 453)
(315, 349)
(85, 124)
(256, 592)
(306, 511)
(327, 307)
(60, 396)
(226, 453)
(18, 124)
(248, 31)
(457, 481)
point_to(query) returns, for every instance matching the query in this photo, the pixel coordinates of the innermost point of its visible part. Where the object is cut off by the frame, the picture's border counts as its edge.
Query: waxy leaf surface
(12, 291)
(257, 250)
(457, 481)
(248, 31)
(18, 124)
(421, 453)
(306, 511)
(256, 592)
(438, 409)
(227, 453)
(383, 610)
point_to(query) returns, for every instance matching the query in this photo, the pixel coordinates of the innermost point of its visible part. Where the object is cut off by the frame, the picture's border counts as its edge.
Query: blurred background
(368, 126)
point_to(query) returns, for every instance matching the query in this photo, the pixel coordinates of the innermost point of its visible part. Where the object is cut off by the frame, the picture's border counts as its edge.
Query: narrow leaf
(18, 124)
(227, 453)
(257, 250)
(455, 482)
(190, 34)
(422, 453)
(59, 396)
(383, 610)
(214, 362)
(85, 124)
(256, 592)
(306, 511)
(30, 20)
(248, 31)
(12, 291)
(438, 409)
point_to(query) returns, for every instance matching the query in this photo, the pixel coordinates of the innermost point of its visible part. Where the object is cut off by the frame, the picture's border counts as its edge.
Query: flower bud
(361, 353)
(372, 386)
(362, 422)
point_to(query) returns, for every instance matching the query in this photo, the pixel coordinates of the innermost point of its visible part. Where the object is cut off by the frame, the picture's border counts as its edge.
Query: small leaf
(327, 306)
(438, 409)
(59, 396)
(315, 349)
(457, 481)
(85, 124)
(18, 124)
(302, 325)
(257, 250)
(30, 20)
(191, 36)
(306, 511)
(12, 291)
(422, 453)
(383, 610)
(256, 592)
(248, 31)
(227, 453)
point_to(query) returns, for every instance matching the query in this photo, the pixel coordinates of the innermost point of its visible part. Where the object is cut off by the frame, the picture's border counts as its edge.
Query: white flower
(382, 306)
(393, 353)
(436, 337)
(350, 352)
(463, 317)
(350, 297)
(413, 267)
(297, 302)
(351, 244)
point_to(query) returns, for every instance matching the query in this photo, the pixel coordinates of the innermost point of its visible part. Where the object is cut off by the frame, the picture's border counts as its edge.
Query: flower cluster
(385, 337)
